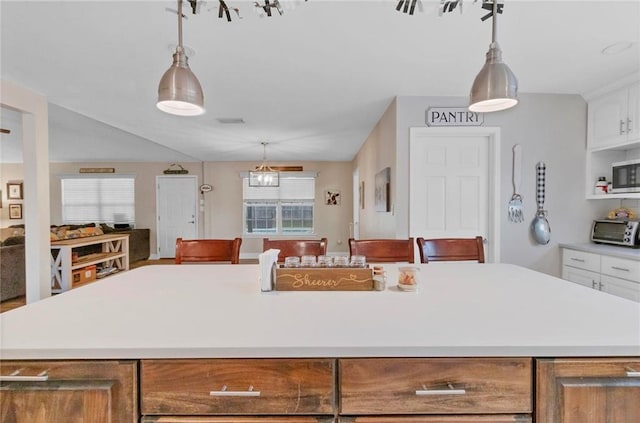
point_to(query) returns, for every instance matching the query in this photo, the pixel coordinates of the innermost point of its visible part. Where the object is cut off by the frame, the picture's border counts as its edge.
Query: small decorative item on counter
(293, 261)
(379, 278)
(621, 213)
(602, 186)
(408, 278)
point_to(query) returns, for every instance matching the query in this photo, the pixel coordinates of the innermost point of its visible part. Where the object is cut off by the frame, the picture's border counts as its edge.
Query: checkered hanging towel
(540, 180)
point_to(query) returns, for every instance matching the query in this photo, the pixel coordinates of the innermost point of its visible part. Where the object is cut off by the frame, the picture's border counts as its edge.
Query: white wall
(550, 128)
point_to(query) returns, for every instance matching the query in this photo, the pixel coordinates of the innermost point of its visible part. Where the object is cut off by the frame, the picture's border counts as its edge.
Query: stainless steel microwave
(616, 231)
(625, 176)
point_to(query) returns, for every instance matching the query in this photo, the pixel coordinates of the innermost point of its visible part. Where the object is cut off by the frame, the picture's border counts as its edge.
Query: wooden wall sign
(327, 279)
(175, 169)
(453, 116)
(97, 170)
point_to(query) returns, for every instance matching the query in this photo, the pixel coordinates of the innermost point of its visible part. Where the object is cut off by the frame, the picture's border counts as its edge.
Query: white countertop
(192, 311)
(606, 249)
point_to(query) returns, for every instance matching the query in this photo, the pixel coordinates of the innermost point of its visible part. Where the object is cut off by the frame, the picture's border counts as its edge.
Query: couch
(12, 271)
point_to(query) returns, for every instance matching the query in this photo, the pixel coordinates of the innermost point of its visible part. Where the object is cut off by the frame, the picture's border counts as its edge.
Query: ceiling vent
(230, 120)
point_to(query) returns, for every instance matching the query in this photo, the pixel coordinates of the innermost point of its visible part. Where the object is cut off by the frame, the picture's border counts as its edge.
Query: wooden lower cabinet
(236, 419)
(588, 390)
(500, 418)
(241, 387)
(69, 392)
(396, 386)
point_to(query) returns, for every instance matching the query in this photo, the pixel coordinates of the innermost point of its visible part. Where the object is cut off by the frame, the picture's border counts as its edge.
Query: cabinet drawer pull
(224, 393)
(622, 269)
(450, 391)
(621, 127)
(577, 259)
(632, 373)
(628, 126)
(16, 377)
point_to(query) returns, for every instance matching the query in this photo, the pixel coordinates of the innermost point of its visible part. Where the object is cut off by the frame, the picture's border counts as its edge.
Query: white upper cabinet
(633, 118)
(614, 118)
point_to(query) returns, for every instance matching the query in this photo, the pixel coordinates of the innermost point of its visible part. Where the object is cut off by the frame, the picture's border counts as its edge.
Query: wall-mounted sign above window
(453, 116)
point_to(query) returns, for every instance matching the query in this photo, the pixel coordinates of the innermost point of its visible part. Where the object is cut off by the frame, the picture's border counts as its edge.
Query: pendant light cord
(493, 22)
(180, 25)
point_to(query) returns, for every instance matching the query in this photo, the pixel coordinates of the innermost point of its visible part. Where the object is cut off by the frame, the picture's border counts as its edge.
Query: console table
(115, 251)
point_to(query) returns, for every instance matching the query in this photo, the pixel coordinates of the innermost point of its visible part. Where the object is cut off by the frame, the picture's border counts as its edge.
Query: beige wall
(223, 205)
(222, 214)
(378, 152)
(145, 188)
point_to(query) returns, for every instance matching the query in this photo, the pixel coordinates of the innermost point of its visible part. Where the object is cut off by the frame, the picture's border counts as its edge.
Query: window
(108, 199)
(283, 210)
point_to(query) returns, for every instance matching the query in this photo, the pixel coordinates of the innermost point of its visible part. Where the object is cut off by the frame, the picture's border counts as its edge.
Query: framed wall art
(382, 188)
(14, 190)
(332, 197)
(15, 211)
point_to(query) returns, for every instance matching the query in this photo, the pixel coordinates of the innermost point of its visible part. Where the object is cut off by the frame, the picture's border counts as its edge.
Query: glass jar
(325, 261)
(292, 261)
(308, 261)
(341, 261)
(408, 278)
(358, 261)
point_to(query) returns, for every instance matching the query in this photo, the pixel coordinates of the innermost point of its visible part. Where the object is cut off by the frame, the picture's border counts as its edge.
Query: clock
(205, 188)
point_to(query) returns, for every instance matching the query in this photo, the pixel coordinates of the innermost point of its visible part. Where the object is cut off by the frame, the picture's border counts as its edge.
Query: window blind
(108, 199)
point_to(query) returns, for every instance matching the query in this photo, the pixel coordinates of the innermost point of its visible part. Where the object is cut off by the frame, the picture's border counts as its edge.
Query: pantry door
(453, 189)
(176, 198)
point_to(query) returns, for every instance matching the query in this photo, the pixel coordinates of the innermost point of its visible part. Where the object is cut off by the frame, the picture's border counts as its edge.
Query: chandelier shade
(264, 175)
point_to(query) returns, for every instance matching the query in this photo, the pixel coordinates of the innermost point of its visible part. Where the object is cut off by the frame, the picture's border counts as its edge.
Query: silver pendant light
(495, 87)
(179, 91)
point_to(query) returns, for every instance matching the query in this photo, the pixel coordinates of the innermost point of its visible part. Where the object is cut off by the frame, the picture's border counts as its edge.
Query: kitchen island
(494, 324)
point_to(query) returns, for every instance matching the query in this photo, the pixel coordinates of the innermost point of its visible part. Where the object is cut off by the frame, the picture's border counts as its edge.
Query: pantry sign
(453, 116)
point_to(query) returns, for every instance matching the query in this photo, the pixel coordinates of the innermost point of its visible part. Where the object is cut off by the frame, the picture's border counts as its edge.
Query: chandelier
(264, 175)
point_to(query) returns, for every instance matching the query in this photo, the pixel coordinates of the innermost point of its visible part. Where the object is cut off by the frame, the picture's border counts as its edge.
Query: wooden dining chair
(383, 250)
(296, 247)
(451, 249)
(208, 250)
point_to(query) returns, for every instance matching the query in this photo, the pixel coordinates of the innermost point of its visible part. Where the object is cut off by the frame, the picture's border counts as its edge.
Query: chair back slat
(383, 250)
(208, 250)
(296, 247)
(451, 249)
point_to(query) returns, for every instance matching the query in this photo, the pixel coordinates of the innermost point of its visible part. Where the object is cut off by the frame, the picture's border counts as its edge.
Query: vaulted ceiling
(312, 82)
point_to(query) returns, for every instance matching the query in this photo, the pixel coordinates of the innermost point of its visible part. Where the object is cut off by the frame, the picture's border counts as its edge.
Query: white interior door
(450, 193)
(177, 206)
